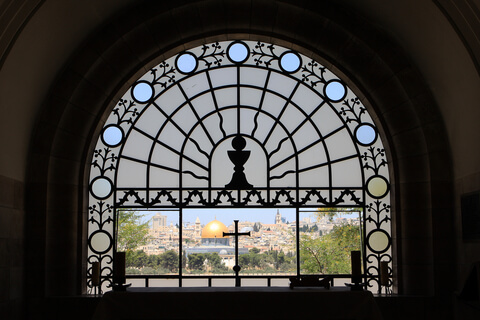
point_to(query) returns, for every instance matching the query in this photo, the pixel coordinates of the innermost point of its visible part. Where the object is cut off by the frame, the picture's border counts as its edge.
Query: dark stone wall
(12, 216)
(125, 47)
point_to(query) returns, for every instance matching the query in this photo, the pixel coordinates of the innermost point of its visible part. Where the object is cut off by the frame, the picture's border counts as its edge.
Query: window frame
(210, 60)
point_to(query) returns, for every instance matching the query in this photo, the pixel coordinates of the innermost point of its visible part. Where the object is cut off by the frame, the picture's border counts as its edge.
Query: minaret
(278, 217)
(198, 229)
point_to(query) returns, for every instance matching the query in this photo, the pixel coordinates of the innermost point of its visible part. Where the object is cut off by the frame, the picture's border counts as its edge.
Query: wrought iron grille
(239, 124)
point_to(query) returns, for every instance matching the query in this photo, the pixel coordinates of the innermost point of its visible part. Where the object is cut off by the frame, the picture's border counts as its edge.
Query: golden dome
(214, 229)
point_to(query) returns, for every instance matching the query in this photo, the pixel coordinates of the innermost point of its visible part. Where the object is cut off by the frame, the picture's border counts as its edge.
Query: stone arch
(92, 80)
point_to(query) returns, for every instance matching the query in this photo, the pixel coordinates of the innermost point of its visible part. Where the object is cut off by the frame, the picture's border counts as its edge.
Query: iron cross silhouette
(236, 268)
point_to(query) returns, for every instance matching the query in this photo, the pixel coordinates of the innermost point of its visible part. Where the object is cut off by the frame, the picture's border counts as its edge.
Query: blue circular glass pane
(142, 92)
(112, 136)
(238, 52)
(290, 62)
(335, 90)
(366, 134)
(186, 63)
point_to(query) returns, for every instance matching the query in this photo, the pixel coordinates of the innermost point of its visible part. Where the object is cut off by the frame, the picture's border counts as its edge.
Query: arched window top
(302, 127)
(242, 124)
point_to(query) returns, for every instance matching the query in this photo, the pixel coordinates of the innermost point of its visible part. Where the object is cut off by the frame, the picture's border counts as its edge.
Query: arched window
(240, 124)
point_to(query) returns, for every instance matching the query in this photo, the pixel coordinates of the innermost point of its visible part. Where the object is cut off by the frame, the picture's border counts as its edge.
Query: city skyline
(227, 215)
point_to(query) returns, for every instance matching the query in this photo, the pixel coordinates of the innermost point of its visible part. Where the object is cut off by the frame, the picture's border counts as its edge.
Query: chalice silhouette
(239, 157)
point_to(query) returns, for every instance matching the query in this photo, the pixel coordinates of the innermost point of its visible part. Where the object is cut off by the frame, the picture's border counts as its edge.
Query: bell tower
(198, 229)
(278, 217)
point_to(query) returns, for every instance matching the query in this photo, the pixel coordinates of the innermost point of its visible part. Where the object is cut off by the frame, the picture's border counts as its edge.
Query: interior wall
(58, 55)
(441, 38)
(372, 62)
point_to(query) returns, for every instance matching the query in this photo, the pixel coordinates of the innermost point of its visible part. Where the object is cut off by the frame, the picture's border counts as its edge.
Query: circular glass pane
(101, 188)
(238, 52)
(186, 62)
(290, 61)
(378, 241)
(100, 242)
(112, 135)
(377, 186)
(335, 90)
(366, 134)
(142, 91)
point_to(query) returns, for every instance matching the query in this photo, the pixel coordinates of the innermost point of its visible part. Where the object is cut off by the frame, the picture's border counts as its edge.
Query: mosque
(212, 240)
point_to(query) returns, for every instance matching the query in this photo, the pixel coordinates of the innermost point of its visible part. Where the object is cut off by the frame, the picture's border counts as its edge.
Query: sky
(226, 216)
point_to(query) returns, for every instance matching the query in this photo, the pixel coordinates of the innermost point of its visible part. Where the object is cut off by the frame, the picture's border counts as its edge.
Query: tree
(132, 232)
(169, 260)
(196, 261)
(137, 259)
(254, 251)
(330, 253)
(214, 262)
(333, 212)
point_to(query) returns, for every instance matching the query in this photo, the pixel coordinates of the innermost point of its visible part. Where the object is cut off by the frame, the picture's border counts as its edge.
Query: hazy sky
(228, 215)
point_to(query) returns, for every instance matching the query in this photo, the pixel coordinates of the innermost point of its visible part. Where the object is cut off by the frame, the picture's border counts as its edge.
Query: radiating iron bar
(215, 103)
(166, 146)
(277, 120)
(238, 100)
(308, 147)
(307, 119)
(282, 175)
(151, 164)
(194, 175)
(328, 163)
(168, 119)
(189, 102)
(260, 105)
(199, 148)
(278, 147)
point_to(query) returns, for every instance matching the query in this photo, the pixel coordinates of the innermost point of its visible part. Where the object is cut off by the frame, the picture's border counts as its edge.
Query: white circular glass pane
(112, 136)
(366, 134)
(335, 90)
(378, 241)
(186, 63)
(100, 242)
(101, 188)
(290, 62)
(377, 187)
(238, 52)
(142, 92)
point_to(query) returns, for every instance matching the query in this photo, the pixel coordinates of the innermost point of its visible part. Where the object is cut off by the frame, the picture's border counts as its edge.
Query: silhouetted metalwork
(311, 281)
(236, 234)
(158, 146)
(238, 158)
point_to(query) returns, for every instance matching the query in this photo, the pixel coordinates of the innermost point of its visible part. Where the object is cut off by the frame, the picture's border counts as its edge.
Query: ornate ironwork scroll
(300, 138)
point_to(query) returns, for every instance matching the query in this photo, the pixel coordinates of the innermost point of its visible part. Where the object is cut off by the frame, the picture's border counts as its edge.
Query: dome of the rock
(214, 229)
